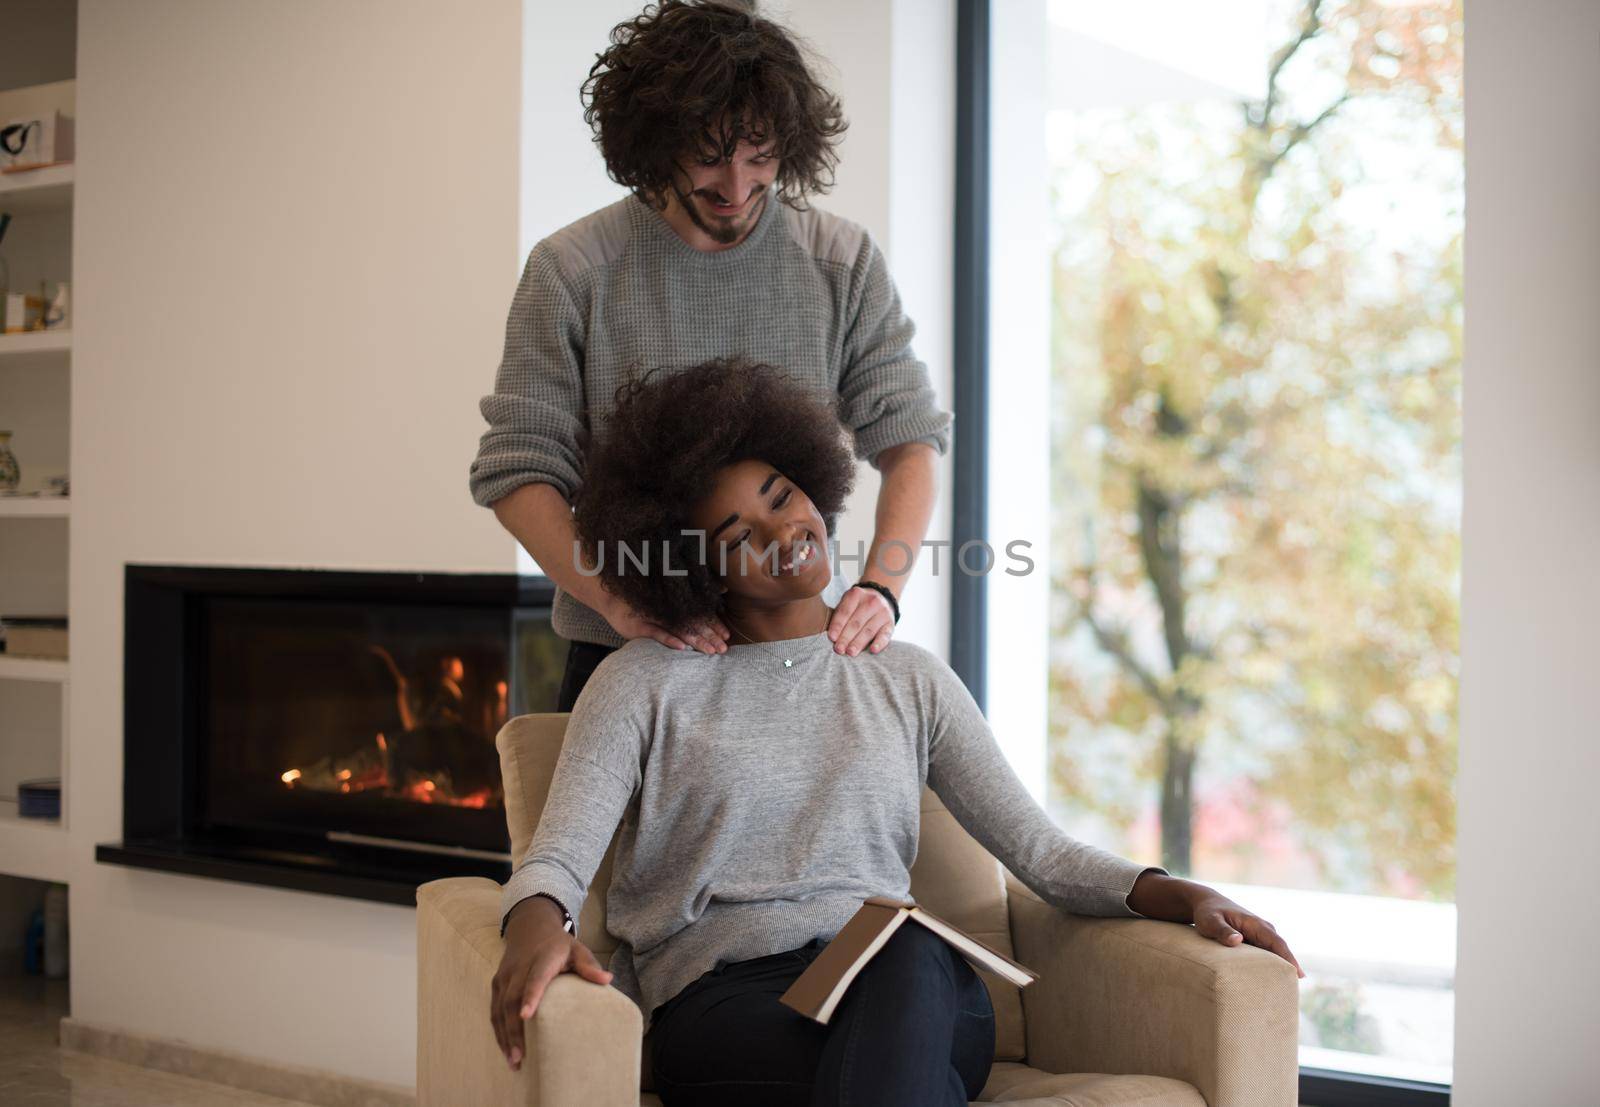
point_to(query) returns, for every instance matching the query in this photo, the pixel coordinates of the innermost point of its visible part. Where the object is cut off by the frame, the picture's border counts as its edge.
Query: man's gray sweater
(619, 292)
(759, 805)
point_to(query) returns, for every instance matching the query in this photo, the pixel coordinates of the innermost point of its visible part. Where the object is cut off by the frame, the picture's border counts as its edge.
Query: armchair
(1127, 1011)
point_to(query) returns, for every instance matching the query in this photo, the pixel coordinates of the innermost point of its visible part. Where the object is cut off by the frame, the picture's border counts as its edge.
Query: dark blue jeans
(915, 1029)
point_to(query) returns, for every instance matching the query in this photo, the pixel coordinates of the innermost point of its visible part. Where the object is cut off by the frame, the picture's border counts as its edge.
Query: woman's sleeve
(968, 771)
(598, 771)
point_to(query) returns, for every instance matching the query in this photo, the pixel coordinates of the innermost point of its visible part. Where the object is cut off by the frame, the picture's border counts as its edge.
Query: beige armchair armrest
(583, 1043)
(1143, 996)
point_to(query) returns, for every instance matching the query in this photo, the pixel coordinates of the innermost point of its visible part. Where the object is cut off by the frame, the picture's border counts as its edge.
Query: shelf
(35, 369)
(46, 669)
(34, 848)
(37, 506)
(36, 190)
(36, 342)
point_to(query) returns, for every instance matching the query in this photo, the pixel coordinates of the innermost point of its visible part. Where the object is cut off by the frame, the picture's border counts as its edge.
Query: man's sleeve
(968, 771)
(599, 769)
(535, 413)
(884, 391)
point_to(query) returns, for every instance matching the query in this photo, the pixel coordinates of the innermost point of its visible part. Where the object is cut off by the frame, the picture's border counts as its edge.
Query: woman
(764, 792)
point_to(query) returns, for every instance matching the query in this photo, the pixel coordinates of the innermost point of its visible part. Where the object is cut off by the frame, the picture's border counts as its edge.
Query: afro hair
(662, 447)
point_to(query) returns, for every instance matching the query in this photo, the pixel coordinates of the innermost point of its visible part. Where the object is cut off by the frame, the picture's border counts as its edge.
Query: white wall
(1020, 470)
(298, 232)
(920, 142)
(1527, 984)
(563, 176)
(295, 242)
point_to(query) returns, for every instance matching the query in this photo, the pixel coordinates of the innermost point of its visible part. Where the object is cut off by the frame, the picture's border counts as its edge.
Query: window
(1222, 331)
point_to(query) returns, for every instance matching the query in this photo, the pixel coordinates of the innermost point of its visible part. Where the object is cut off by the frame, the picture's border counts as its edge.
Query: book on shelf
(816, 992)
(39, 799)
(33, 636)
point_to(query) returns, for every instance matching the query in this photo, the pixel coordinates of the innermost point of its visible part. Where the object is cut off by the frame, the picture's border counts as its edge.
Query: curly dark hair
(700, 77)
(665, 442)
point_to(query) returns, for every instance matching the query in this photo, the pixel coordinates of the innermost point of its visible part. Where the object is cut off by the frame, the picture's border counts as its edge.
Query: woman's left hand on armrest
(1159, 896)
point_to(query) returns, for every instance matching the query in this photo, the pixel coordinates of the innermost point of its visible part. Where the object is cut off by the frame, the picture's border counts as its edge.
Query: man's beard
(726, 233)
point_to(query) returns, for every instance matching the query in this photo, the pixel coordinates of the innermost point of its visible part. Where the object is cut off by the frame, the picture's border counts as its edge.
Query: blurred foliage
(1257, 369)
(1336, 1016)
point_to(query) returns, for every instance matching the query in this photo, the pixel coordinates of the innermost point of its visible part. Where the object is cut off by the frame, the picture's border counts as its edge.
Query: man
(711, 116)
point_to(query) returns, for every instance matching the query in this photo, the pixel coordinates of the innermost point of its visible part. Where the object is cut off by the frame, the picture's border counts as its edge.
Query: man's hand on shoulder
(862, 621)
(709, 637)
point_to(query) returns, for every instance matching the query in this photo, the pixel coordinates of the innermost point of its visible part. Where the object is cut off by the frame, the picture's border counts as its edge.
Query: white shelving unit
(39, 342)
(39, 506)
(34, 848)
(35, 390)
(45, 189)
(43, 669)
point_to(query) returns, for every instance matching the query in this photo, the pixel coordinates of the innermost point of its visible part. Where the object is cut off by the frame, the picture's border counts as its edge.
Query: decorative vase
(55, 316)
(10, 475)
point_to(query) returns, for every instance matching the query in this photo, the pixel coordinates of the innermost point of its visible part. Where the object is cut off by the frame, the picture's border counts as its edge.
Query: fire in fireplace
(350, 716)
(334, 728)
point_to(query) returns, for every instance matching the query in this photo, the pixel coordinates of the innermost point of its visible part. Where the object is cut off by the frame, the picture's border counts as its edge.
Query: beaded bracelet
(566, 919)
(894, 604)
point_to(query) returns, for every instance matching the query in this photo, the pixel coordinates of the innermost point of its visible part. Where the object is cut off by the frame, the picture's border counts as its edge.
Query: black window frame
(970, 462)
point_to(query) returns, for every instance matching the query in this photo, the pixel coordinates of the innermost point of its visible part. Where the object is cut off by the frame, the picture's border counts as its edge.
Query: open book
(817, 991)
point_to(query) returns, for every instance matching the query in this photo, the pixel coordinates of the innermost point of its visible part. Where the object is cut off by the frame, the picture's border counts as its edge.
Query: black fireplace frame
(160, 827)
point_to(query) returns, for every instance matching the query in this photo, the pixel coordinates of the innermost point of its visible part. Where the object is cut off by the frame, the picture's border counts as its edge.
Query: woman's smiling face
(765, 540)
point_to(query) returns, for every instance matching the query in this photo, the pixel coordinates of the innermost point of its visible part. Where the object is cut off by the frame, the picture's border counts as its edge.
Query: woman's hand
(708, 637)
(863, 620)
(1218, 917)
(534, 956)
(1157, 895)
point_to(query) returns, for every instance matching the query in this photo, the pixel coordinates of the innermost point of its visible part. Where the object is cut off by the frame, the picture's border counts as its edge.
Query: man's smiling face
(725, 196)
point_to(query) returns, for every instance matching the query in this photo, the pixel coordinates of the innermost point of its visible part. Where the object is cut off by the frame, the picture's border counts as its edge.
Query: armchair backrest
(954, 877)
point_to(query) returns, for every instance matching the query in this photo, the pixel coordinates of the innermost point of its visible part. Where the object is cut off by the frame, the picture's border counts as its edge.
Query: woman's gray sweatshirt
(759, 804)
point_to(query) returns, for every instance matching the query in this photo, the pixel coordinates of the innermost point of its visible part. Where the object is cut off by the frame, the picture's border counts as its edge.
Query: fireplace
(322, 730)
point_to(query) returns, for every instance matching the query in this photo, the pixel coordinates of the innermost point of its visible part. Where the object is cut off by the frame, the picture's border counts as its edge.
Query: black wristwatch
(894, 604)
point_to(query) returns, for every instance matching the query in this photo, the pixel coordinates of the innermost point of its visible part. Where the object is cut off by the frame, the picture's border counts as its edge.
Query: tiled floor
(34, 1072)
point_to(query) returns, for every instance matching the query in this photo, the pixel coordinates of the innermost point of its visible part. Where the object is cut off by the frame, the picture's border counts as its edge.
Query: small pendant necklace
(788, 662)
